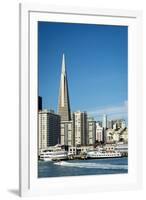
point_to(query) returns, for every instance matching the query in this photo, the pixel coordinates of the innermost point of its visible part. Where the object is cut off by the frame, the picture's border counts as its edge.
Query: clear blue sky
(96, 62)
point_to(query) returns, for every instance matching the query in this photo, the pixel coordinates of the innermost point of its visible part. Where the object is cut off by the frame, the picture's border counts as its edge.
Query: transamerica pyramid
(63, 103)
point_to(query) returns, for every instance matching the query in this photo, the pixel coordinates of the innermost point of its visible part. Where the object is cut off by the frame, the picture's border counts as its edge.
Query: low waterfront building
(79, 150)
(122, 148)
(72, 150)
(109, 147)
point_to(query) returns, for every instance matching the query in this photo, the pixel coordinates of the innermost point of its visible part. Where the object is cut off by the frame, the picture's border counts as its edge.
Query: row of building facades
(81, 130)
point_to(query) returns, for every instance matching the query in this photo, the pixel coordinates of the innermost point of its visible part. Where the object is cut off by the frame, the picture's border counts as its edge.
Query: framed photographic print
(80, 100)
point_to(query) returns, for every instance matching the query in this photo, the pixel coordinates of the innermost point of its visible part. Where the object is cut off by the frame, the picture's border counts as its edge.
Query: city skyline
(97, 97)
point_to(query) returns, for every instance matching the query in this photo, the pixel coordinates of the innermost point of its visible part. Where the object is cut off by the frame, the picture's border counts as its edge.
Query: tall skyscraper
(80, 120)
(64, 103)
(39, 103)
(104, 123)
(91, 131)
(123, 124)
(110, 124)
(67, 133)
(99, 132)
(49, 129)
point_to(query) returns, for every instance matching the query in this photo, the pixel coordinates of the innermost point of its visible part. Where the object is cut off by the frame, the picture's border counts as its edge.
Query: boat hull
(104, 157)
(52, 158)
(101, 155)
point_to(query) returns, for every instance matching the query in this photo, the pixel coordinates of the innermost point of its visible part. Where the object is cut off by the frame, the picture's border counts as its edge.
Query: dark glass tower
(39, 103)
(63, 103)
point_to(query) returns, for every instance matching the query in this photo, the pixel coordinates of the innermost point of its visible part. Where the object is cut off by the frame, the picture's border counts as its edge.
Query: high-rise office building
(67, 133)
(115, 126)
(67, 125)
(104, 125)
(123, 124)
(120, 123)
(104, 122)
(49, 129)
(99, 132)
(80, 120)
(39, 103)
(91, 131)
(110, 124)
(64, 103)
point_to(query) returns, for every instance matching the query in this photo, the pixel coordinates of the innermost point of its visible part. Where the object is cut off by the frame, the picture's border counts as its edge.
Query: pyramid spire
(63, 64)
(64, 103)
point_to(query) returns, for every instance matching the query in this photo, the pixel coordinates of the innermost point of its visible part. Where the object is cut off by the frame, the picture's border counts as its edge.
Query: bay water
(83, 167)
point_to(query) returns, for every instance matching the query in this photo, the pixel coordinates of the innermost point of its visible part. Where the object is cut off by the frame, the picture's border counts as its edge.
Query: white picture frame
(29, 184)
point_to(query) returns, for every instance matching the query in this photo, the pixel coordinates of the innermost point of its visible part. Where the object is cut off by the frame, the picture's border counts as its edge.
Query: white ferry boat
(50, 155)
(100, 154)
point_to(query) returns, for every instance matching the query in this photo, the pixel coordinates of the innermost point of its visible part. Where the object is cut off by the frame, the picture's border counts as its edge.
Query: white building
(67, 133)
(123, 124)
(91, 135)
(80, 125)
(79, 150)
(109, 123)
(124, 136)
(115, 126)
(123, 148)
(104, 123)
(115, 136)
(99, 133)
(109, 147)
(49, 129)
